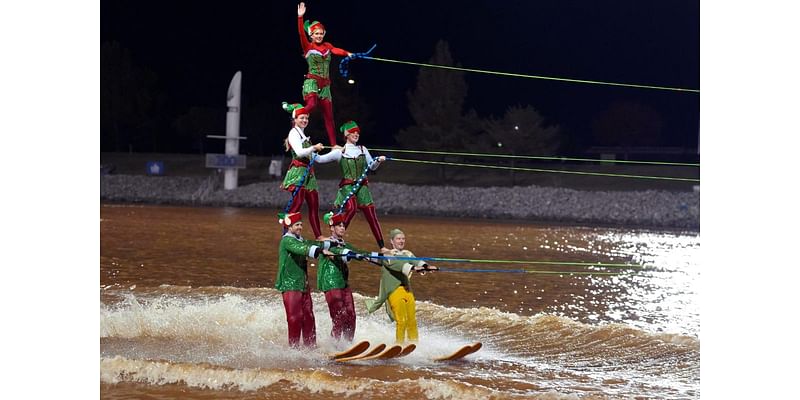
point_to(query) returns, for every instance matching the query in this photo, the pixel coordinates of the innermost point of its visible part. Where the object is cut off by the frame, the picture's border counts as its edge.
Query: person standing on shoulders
(318, 54)
(302, 152)
(354, 160)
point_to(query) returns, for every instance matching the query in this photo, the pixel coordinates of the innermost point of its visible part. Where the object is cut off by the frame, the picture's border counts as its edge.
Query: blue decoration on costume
(300, 184)
(343, 65)
(357, 184)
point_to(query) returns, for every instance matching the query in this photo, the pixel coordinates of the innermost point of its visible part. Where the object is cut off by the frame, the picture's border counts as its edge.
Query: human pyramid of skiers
(332, 252)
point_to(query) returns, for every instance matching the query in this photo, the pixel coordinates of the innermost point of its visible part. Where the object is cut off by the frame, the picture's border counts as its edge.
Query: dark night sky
(196, 47)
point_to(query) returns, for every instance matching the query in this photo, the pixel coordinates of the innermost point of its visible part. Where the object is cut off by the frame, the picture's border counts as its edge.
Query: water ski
(390, 352)
(357, 349)
(461, 353)
(407, 350)
(376, 350)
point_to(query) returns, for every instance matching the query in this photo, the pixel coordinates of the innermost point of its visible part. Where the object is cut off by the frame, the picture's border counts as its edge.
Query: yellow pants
(404, 308)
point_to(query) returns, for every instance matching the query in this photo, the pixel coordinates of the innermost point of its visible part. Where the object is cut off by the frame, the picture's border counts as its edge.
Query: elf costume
(316, 87)
(300, 146)
(353, 162)
(292, 282)
(395, 293)
(332, 278)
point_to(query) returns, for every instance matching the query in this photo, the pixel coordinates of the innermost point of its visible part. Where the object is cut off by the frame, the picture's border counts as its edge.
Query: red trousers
(300, 317)
(312, 197)
(369, 214)
(312, 101)
(343, 313)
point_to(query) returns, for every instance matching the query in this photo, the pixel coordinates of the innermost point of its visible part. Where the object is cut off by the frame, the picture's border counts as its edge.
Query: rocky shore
(647, 209)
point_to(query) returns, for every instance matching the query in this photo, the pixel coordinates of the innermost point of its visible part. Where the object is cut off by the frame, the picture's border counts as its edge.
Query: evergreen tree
(436, 106)
(523, 131)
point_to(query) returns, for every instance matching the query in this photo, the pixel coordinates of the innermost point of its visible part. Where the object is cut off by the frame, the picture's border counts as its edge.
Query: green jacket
(333, 273)
(292, 263)
(394, 274)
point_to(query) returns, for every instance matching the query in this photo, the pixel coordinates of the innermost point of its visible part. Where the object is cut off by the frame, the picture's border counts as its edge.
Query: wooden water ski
(357, 349)
(376, 350)
(461, 353)
(390, 352)
(407, 350)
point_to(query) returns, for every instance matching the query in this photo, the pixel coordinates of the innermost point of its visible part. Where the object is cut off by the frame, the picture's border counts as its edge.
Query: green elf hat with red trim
(350, 127)
(333, 219)
(294, 109)
(289, 219)
(311, 26)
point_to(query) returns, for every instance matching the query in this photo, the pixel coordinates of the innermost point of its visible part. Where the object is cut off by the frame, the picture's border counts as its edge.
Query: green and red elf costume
(317, 85)
(292, 282)
(332, 279)
(354, 160)
(301, 149)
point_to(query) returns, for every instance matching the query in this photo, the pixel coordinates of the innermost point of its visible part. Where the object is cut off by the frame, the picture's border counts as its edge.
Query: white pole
(232, 128)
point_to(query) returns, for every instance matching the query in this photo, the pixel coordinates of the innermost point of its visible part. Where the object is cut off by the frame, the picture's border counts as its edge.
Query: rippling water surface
(188, 310)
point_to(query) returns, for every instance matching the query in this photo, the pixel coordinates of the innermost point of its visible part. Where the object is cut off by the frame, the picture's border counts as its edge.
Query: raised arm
(304, 43)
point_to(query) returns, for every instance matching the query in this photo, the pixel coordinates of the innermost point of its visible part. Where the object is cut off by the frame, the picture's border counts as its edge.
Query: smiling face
(301, 121)
(338, 230)
(296, 228)
(352, 138)
(318, 36)
(399, 241)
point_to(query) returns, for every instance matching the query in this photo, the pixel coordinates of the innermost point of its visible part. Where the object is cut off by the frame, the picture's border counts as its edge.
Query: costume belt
(322, 81)
(345, 182)
(298, 163)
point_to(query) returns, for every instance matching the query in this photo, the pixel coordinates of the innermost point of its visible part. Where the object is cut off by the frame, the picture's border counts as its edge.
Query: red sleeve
(338, 51)
(303, 40)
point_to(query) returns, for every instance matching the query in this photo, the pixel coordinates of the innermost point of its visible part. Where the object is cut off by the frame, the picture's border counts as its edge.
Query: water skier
(395, 288)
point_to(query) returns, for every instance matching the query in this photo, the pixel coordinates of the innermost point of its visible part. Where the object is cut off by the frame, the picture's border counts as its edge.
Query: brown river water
(188, 310)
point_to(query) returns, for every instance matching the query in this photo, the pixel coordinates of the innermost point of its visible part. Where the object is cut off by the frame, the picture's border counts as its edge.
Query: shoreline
(649, 209)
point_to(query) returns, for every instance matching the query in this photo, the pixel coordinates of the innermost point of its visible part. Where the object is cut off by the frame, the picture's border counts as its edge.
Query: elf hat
(333, 219)
(295, 109)
(311, 26)
(350, 127)
(289, 219)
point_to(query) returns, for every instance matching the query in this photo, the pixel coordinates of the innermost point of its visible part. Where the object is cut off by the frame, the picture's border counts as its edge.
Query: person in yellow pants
(395, 288)
(404, 308)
